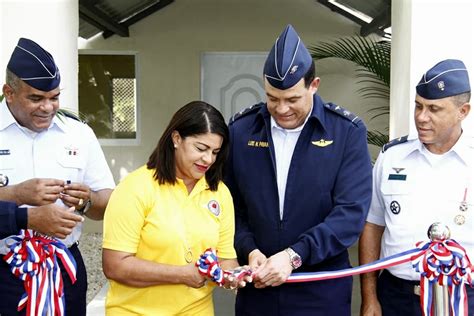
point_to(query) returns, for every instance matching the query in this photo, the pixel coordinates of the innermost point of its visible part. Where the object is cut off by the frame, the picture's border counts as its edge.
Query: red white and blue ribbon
(34, 260)
(444, 262)
(447, 264)
(390, 261)
(208, 266)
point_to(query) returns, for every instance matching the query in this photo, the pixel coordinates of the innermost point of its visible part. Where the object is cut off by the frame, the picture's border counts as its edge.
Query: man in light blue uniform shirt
(418, 181)
(45, 159)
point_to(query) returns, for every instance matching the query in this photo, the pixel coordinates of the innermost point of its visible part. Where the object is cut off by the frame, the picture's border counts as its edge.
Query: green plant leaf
(372, 58)
(377, 138)
(365, 52)
(61, 113)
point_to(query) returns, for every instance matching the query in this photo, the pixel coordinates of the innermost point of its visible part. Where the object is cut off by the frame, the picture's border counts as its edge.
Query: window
(108, 96)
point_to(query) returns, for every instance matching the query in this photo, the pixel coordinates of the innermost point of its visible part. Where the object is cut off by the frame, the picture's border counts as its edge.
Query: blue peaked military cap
(34, 65)
(445, 79)
(288, 61)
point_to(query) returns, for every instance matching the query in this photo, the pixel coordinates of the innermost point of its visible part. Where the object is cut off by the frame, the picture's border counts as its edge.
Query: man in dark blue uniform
(300, 174)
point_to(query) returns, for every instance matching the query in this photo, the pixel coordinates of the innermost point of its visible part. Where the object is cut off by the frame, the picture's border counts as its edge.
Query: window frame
(124, 141)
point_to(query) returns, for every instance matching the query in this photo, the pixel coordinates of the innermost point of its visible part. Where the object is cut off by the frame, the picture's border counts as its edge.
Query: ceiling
(374, 16)
(114, 16)
(111, 17)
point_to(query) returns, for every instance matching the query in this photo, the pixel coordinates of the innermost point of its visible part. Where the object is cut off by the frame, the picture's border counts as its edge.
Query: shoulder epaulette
(252, 109)
(394, 142)
(70, 114)
(343, 112)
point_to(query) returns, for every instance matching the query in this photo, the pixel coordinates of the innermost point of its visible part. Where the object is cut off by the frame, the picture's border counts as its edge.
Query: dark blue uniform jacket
(327, 198)
(12, 219)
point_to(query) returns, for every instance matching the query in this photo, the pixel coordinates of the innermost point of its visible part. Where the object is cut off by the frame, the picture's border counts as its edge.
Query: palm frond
(382, 108)
(61, 113)
(372, 88)
(379, 115)
(373, 60)
(372, 55)
(377, 138)
(363, 74)
(374, 92)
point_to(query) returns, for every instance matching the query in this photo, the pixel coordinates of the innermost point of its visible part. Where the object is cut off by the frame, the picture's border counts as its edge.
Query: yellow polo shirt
(158, 223)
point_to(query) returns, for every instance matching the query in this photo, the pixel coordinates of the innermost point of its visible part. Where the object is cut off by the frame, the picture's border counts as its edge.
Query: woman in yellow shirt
(164, 215)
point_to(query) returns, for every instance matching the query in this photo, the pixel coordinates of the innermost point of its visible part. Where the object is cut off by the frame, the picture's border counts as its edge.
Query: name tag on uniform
(401, 177)
(4, 152)
(256, 143)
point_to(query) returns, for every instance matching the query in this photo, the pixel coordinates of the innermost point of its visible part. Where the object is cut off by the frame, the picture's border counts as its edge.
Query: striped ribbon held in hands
(34, 258)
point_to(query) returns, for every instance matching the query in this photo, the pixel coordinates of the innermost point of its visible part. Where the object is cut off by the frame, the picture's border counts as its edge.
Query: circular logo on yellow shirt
(214, 207)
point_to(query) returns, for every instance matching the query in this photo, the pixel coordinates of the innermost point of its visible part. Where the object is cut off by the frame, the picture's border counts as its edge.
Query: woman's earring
(175, 146)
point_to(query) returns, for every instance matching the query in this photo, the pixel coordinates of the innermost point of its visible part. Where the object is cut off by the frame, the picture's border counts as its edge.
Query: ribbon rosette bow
(446, 263)
(33, 259)
(208, 265)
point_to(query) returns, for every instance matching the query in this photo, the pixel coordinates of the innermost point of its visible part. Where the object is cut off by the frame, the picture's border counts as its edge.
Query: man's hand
(371, 309)
(238, 278)
(256, 259)
(53, 220)
(76, 195)
(37, 191)
(274, 272)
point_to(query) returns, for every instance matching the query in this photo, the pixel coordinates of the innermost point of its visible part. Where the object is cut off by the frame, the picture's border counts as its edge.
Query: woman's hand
(237, 278)
(191, 276)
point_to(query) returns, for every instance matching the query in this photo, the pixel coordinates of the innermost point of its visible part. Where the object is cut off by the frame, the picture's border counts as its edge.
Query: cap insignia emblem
(293, 69)
(441, 85)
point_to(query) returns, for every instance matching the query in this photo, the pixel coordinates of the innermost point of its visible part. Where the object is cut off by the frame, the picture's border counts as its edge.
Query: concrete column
(54, 24)
(423, 33)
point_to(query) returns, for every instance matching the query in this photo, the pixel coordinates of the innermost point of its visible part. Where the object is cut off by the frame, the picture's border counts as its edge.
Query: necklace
(188, 253)
(180, 226)
(183, 193)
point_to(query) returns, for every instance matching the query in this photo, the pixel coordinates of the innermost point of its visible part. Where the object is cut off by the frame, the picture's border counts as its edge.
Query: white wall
(170, 42)
(54, 24)
(424, 33)
(169, 45)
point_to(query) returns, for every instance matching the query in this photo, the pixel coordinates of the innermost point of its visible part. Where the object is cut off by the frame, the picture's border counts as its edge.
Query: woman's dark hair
(193, 119)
